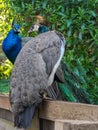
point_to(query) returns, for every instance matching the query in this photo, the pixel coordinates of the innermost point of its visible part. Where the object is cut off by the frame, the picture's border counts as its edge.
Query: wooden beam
(75, 125)
(52, 110)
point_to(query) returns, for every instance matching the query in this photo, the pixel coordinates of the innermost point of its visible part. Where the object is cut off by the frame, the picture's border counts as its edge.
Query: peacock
(12, 43)
(34, 71)
(68, 89)
(10, 55)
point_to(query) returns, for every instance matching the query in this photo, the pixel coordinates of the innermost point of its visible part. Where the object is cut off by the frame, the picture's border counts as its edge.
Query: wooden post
(46, 124)
(58, 125)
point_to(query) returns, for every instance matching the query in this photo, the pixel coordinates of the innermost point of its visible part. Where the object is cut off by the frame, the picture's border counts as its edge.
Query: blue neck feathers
(43, 29)
(12, 45)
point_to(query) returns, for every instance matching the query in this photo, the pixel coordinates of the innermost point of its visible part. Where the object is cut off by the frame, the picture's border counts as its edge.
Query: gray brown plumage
(25, 40)
(53, 90)
(33, 73)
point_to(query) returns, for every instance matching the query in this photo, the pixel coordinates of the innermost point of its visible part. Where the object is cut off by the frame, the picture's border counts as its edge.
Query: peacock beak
(30, 31)
(18, 30)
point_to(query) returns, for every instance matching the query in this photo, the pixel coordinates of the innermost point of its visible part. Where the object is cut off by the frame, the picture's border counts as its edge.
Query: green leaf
(83, 27)
(92, 13)
(23, 6)
(76, 71)
(68, 23)
(45, 4)
(61, 14)
(80, 36)
(96, 73)
(62, 27)
(69, 32)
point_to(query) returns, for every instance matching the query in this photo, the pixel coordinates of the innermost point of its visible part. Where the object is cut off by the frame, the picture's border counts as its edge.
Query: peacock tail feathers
(71, 89)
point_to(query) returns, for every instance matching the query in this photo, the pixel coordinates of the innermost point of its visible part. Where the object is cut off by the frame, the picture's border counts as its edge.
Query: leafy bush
(5, 69)
(5, 19)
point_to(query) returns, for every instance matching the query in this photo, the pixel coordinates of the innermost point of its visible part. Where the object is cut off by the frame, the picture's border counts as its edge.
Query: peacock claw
(44, 95)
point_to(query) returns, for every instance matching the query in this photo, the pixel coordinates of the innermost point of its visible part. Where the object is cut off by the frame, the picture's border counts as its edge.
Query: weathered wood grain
(66, 110)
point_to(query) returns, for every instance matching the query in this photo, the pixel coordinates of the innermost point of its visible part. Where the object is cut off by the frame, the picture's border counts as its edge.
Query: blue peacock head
(16, 27)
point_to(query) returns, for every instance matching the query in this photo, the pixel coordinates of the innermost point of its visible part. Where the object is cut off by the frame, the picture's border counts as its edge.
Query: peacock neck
(13, 32)
(11, 41)
(43, 29)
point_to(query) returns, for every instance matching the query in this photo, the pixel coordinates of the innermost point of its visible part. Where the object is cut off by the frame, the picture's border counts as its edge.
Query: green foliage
(6, 16)
(5, 69)
(76, 19)
(4, 85)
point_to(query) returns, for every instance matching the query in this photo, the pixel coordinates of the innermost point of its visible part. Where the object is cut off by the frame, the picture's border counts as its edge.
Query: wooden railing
(54, 115)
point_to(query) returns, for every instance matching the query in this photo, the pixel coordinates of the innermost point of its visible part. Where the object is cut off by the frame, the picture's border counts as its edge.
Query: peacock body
(33, 73)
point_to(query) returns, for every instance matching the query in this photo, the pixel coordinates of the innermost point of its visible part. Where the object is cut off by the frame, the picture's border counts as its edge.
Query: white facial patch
(36, 27)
